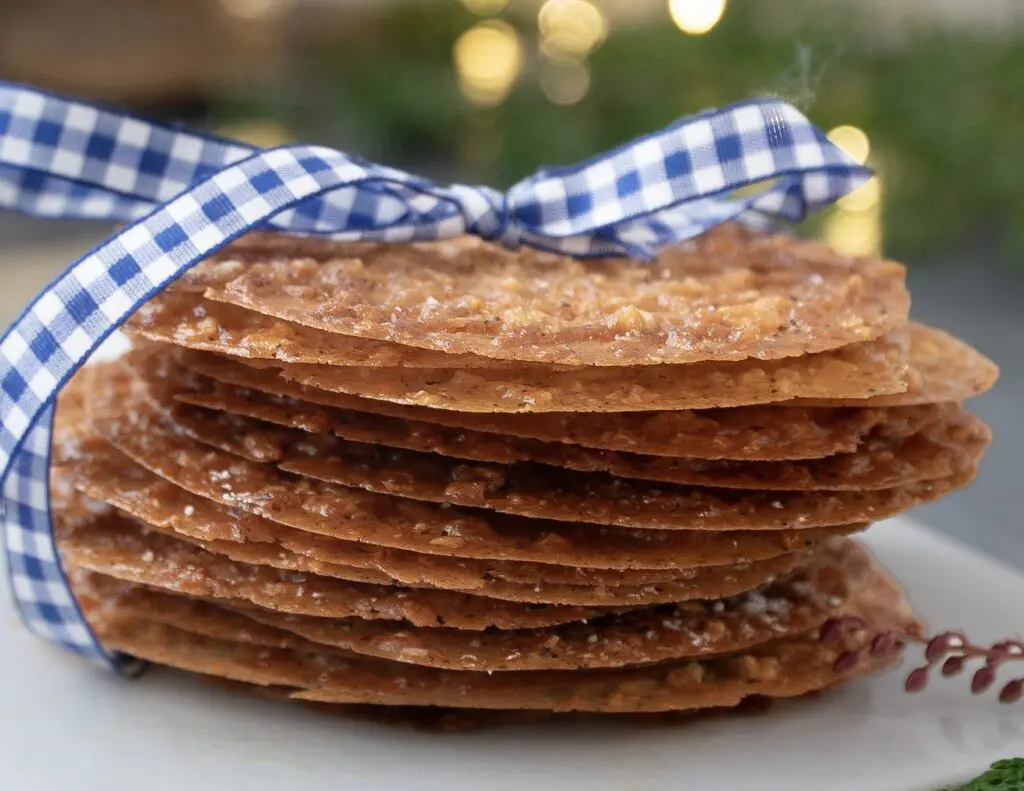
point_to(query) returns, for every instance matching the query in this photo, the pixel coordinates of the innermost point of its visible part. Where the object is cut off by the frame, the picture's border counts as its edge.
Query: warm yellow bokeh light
(696, 17)
(565, 81)
(855, 228)
(864, 198)
(571, 27)
(253, 9)
(485, 7)
(855, 233)
(263, 133)
(853, 141)
(488, 58)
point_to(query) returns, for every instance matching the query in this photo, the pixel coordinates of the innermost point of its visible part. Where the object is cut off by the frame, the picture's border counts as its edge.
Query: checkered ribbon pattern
(183, 195)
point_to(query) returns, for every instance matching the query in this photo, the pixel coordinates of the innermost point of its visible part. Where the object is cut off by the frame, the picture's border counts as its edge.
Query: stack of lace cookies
(450, 475)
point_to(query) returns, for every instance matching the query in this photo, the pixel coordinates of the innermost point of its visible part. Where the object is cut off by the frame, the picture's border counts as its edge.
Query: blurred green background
(943, 109)
(930, 92)
(490, 90)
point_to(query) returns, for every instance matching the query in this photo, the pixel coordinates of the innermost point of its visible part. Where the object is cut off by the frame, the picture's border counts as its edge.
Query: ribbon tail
(82, 307)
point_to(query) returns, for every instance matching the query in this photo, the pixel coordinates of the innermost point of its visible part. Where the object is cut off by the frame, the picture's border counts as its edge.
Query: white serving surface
(68, 726)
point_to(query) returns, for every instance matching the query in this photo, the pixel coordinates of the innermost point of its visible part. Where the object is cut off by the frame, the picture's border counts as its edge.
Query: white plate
(66, 726)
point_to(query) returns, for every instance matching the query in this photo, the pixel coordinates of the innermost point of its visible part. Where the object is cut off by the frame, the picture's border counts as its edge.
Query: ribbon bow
(185, 195)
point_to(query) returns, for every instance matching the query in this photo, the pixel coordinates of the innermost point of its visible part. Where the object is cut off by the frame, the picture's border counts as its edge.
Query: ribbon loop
(185, 195)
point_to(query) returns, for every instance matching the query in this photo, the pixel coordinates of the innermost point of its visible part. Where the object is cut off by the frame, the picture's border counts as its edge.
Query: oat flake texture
(433, 480)
(730, 294)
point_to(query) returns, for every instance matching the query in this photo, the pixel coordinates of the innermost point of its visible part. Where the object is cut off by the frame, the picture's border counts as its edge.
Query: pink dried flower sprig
(950, 651)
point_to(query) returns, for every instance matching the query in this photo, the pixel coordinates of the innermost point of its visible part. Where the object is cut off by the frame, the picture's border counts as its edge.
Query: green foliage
(1005, 775)
(945, 112)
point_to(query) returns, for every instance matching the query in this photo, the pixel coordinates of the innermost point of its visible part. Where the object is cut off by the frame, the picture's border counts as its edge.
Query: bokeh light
(864, 198)
(254, 9)
(571, 27)
(852, 140)
(564, 81)
(488, 58)
(855, 227)
(855, 233)
(264, 132)
(485, 7)
(696, 17)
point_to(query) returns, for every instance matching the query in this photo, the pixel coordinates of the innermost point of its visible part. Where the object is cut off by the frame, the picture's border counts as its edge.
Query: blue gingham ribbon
(185, 195)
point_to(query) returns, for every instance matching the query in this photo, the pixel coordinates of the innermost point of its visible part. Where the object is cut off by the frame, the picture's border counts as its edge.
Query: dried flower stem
(951, 651)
